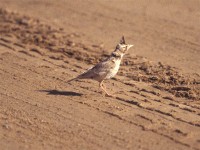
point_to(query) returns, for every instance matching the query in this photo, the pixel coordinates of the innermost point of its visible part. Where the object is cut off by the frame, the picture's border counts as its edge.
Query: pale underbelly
(112, 73)
(109, 73)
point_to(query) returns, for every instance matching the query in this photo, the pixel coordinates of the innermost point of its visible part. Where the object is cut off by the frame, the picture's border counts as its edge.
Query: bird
(107, 68)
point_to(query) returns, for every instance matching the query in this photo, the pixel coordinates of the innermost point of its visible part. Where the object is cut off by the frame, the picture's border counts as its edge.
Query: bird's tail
(72, 79)
(76, 78)
(81, 76)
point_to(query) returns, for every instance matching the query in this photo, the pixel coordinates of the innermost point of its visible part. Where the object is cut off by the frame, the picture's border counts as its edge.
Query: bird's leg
(102, 87)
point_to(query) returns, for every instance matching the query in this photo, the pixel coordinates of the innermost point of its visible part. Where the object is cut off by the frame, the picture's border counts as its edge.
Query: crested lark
(107, 68)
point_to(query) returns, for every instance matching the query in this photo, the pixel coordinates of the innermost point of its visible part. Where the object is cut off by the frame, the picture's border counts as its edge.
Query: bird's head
(122, 47)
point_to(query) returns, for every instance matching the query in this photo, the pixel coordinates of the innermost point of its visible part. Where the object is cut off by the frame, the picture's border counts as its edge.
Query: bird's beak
(129, 46)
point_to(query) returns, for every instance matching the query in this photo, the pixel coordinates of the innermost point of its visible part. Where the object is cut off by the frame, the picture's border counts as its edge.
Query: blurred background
(161, 30)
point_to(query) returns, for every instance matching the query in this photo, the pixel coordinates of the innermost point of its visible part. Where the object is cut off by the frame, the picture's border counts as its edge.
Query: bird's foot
(106, 94)
(110, 95)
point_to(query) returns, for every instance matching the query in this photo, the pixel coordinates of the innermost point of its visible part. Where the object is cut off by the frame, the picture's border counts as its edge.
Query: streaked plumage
(107, 68)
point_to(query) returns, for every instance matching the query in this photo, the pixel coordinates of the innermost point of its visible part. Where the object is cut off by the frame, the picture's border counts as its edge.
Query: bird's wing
(101, 68)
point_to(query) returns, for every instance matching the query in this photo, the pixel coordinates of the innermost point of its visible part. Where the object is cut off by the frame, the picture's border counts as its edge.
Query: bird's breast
(113, 71)
(117, 64)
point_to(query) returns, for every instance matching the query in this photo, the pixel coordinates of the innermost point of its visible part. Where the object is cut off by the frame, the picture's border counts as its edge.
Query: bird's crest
(122, 41)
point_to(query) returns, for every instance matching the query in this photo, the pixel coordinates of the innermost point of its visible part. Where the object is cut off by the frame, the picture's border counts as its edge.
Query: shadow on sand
(57, 92)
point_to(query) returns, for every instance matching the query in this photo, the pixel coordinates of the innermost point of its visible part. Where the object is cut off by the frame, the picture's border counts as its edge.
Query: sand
(156, 103)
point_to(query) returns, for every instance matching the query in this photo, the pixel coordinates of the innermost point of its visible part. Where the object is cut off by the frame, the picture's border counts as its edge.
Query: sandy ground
(45, 43)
